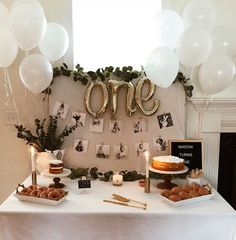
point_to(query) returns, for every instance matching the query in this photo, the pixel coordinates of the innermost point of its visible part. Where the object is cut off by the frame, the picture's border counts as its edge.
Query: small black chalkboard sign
(189, 150)
(84, 183)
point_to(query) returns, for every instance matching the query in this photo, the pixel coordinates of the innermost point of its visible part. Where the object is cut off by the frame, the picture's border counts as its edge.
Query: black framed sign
(190, 150)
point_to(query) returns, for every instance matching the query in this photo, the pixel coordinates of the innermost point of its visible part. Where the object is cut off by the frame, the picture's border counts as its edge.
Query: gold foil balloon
(115, 87)
(88, 99)
(140, 99)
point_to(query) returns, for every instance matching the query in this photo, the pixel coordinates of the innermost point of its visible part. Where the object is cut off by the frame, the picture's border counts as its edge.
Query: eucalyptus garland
(125, 73)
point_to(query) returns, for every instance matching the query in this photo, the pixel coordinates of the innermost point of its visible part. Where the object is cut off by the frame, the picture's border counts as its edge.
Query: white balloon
(216, 73)
(224, 39)
(8, 47)
(36, 72)
(194, 47)
(162, 67)
(55, 42)
(4, 15)
(34, 3)
(199, 13)
(28, 24)
(169, 27)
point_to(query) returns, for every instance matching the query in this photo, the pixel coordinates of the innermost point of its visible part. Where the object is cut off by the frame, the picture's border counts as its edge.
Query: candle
(33, 158)
(117, 179)
(147, 163)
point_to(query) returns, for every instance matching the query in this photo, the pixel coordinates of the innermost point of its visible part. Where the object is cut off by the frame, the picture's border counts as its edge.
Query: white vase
(56, 154)
(42, 161)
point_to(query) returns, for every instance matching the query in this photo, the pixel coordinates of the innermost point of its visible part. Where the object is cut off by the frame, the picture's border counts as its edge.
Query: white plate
(66, 172)
(168, 172)
(39, 200)
(188, 201)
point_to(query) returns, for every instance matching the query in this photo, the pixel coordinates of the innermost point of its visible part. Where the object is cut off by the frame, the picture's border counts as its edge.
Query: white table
(85, 216)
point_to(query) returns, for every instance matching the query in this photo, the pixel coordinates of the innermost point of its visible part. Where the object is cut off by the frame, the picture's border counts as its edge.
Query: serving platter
(39, 200)
(188, 201)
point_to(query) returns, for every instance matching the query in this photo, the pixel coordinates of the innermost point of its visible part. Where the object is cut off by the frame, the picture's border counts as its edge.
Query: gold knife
(125, 204)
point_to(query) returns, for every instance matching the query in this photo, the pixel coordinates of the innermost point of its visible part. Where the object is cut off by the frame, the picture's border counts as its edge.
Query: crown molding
(214, 105)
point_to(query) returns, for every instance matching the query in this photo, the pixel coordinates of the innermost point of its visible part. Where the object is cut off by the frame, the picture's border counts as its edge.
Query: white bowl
(191, 180)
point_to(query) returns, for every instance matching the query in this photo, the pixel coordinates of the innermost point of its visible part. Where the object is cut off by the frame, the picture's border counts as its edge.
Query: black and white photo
(115, 126)
(139, 125)
(102, 151)
(96, 125)
(60, 109)
(81, 145)
(121, 151)
(165, 120)
(78, 118)
(160, 143)
(141, 148)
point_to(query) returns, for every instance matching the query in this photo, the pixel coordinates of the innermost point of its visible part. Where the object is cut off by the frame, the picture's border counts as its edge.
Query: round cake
(168, 163)
(55, 166)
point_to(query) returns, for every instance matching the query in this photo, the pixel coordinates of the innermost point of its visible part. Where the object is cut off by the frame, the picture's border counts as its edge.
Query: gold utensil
(124, 204)
(123, 199)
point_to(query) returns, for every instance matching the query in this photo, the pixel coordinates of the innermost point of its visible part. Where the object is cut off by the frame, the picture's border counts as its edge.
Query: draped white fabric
(86, 216)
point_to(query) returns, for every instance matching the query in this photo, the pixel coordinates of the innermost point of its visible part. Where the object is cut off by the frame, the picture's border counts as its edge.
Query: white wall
(14, 154)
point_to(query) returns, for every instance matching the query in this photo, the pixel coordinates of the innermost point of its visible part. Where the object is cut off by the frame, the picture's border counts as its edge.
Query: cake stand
(57, 177)
(167, 184)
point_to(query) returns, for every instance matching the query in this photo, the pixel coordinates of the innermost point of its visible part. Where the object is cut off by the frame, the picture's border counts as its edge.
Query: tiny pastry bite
(203, 191)
(175, 198)
(176, 189)
(184, 195)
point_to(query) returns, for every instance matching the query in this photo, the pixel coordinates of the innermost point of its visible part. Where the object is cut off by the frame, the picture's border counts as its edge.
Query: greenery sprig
(125, 73)
(45, 137)
(106, 176)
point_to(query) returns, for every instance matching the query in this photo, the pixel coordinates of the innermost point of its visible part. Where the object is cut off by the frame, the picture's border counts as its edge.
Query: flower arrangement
(45, 137)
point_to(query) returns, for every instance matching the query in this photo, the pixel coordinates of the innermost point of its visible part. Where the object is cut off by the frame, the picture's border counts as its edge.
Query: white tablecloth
(85, 216)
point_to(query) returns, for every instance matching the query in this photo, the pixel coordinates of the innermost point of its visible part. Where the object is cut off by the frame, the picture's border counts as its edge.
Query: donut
(35, 193)
(174, 198)
(62, 192)
(33, 187)
(26, 191)
(54, 195)
(43, 194)
(50, 190)
(43, 188)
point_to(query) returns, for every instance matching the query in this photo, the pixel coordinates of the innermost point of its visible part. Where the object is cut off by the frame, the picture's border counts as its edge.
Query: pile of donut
(179, 193)
(43, 192)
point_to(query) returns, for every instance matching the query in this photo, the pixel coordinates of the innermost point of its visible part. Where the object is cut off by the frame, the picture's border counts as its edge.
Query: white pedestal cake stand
(57, 177)
(167, 184)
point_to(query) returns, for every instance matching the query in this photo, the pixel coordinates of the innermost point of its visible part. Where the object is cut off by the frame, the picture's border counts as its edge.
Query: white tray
(39, 200)
(189, 201)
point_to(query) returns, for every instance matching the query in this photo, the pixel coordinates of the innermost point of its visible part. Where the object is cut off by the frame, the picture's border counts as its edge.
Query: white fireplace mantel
(206, 119)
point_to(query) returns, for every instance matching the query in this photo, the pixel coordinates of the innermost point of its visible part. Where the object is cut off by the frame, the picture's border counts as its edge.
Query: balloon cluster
(25, 26)
(193, 41)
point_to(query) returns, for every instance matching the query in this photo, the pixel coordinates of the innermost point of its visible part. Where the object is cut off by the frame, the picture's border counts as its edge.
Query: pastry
(55, 166)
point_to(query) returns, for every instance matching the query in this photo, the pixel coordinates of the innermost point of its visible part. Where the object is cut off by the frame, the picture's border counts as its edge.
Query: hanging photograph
(115, 126)
(139, 125)
(80, 145)
(121, 151)
(165, 120)
(60, 110)
(160, 143)
(78, 118)
(96, 125)
(102, 151)
(141, 148)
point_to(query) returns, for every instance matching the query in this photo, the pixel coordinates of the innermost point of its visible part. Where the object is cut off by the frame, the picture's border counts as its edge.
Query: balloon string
(7, 80)
(6, 89)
